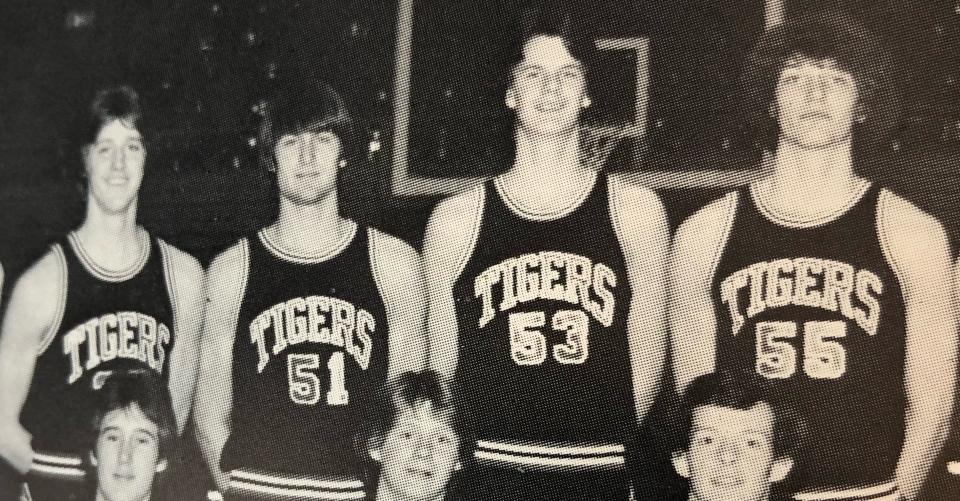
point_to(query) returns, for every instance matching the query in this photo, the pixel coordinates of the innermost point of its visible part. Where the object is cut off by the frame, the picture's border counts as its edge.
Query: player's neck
(101, 497)
(111, 239)
(386, 493)
(810, 169)
(310, 229)
(541, 155)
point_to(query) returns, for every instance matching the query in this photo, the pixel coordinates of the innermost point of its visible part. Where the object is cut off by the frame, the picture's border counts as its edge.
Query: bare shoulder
(393, 255)
(912, 238)
(452, 229)
(43, 281)
(228, 269)
(185, 266)
(708, 223)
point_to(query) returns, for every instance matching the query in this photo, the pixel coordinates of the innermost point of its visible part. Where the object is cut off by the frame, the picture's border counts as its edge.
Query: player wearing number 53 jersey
(305, 321)
(547, 287)
(835, 289)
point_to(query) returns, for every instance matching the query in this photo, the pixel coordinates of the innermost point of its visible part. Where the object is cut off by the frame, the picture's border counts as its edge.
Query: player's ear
(781, 468)
(681, 463)
(162, 465)
(511, 99)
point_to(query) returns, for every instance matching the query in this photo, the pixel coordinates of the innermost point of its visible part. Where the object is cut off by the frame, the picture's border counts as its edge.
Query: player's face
(731, 453)
(549, 87)
(127, 455)
(307, 165)
(419, 454)
(816, 102)
(114, 165)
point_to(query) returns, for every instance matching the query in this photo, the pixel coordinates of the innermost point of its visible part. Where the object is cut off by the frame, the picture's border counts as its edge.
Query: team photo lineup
(555, 329)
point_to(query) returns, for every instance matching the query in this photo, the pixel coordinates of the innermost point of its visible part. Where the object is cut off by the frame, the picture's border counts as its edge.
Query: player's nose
(728, 453)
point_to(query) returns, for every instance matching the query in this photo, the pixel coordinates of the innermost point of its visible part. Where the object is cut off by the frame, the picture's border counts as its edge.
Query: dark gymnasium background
(202, 68)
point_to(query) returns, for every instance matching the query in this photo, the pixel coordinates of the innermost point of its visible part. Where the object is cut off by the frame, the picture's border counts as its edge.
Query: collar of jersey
(526, 213)
(820, 220)
(105, 274)
(277, 249)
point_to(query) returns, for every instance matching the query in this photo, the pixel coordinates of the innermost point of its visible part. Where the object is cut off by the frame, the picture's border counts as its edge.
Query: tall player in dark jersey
(109, 296)
(834, 288)
(306, 319)
(547, 288)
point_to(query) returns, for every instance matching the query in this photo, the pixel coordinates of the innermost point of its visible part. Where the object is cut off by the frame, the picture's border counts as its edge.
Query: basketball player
(306, 318)
(832, 287)
(736, 438)
(546, 294)
(416, 433)
(109, 296)
(135, 437)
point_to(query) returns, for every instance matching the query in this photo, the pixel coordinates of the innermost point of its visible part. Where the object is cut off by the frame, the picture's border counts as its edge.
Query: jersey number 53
(528, 345)
(823, 356)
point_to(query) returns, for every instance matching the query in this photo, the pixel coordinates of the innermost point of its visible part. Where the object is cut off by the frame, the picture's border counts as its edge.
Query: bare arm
(644, 236)
(693, 323)
(185, 280)
(29, 320)
(449, 238)
(226, 281)
(399, 274)
(917, 248)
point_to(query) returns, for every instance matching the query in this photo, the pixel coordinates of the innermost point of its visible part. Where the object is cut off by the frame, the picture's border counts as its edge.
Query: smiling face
(549, 87)
(731, 455)
(816, 102)
(419, 454)
(127, 455)
(307, 164)
(114, 165)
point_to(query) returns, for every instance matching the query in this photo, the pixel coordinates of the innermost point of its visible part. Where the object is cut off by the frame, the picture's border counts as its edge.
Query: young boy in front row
(736, 438)
(135, 437)
(416, 433)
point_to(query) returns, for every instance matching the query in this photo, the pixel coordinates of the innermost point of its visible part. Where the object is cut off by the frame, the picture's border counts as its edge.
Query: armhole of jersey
(731, 204)
(372, 237)
(883, 199)
(241, 291)
(51, 333)
(613, 204)
(480, 195)
(167, 257)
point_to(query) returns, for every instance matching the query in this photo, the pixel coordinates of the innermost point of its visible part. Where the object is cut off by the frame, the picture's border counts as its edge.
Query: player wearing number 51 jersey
(547, 296)
(834, 288)
(305, 320)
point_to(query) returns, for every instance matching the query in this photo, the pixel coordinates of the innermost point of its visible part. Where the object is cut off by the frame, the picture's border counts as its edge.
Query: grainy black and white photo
(487, 250)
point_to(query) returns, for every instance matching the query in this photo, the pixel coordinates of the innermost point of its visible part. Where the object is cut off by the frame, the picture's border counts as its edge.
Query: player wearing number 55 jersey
(306, 319)
(546, 289)
(835, 289)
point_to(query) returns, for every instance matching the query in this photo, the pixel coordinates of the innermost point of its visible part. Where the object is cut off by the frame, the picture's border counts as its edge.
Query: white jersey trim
(821, 220)
(61, 306)
(110, 275)
(878, 492)
(732, 203)
(170, 278)
(566, 456)
(882, 233)
(310, 488)
(528, 214)
(479, 194)
(57, 465)
(277, 250)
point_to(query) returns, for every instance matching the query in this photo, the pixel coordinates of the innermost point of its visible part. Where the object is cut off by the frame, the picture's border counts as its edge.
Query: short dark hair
(142, 388)
(819, 35)
(738, 390)
(551, 22)
(299, 104)
(404, 391)
(115, 102)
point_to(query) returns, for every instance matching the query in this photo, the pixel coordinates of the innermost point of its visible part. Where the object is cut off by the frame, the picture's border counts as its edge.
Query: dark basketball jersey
(817, 309)
(107, 322)
(310, 351)
(543, 353)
